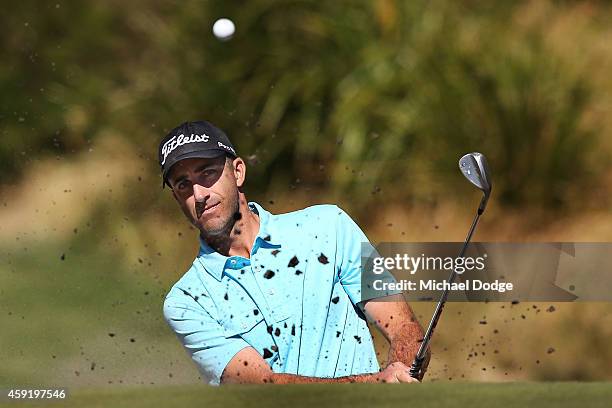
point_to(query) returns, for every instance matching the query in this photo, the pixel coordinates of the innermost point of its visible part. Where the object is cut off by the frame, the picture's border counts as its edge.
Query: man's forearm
(405, 343)
(397, 322)
(298, 379)
(259, 372)
(275, 378)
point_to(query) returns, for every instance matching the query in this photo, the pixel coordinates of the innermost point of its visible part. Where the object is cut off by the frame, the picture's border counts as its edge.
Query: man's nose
(200, 193)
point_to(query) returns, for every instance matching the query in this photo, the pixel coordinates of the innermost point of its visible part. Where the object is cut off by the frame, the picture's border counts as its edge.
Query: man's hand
(396, 373)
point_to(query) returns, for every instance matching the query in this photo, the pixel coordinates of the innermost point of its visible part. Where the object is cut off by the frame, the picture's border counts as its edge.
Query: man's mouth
(202, 209)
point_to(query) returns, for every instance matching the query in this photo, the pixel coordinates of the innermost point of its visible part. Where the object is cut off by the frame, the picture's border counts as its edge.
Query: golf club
(474, 167)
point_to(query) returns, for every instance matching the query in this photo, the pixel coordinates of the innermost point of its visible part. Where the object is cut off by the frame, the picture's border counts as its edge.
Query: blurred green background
(365, 104)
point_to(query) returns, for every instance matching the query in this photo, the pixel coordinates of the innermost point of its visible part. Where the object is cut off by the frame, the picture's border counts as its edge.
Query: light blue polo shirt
(294, 301)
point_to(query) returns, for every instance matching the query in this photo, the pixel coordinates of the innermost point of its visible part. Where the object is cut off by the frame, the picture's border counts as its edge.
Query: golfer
(272, 298)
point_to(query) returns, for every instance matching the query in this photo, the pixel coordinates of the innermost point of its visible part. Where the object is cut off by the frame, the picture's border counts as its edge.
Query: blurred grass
(350, 395)
(74, 313)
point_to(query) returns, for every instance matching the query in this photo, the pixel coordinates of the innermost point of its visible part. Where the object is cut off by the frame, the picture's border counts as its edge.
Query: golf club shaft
(417, 364)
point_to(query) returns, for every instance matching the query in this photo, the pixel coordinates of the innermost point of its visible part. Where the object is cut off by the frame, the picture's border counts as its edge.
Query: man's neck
(240, 239)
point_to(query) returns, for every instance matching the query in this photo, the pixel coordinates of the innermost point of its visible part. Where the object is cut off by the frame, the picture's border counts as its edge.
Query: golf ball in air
(224, 28)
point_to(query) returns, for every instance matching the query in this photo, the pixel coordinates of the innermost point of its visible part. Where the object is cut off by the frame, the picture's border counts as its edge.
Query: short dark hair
(229, 161)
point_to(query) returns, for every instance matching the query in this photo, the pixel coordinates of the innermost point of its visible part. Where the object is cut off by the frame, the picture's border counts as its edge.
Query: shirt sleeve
(202, 336)
(353, 249)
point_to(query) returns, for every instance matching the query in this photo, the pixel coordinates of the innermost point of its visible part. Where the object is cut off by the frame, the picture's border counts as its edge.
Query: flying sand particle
(293, 262)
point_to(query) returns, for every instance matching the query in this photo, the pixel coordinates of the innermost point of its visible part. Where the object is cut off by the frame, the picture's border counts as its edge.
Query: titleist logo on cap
(180, 140)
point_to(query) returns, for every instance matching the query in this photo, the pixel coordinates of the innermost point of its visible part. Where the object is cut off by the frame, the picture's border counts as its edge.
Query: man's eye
(208, 173)
(182, 185)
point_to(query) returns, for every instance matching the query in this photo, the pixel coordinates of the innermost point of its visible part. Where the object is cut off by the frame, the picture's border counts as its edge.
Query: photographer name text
(432, 284)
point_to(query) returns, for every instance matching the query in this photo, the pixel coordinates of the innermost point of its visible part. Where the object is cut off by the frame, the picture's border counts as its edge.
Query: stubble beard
(224, 230)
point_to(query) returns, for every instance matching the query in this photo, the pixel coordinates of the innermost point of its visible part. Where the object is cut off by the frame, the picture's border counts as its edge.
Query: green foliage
(349, 96)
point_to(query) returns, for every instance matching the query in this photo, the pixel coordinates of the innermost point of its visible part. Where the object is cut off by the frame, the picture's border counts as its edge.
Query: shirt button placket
(261, 303)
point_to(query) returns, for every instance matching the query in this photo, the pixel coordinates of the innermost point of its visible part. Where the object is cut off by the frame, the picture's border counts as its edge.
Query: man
(272, 298)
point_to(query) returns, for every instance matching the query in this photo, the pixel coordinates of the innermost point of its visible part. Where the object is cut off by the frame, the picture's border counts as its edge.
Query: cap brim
(199, 154)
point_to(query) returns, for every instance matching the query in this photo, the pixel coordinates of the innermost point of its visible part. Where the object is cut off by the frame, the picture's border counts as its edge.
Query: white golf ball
(224, 28)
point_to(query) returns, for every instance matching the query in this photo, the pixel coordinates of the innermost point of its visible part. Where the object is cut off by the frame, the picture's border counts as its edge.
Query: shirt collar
(215, 263)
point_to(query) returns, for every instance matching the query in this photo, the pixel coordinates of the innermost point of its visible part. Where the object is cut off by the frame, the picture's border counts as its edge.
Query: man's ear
(239, 171)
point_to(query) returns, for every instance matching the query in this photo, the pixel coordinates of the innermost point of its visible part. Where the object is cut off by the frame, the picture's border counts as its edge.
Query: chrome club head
(475, 168)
